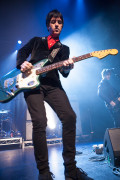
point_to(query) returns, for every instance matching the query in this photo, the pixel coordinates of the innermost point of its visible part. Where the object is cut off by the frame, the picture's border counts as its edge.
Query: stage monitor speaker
(112, 146)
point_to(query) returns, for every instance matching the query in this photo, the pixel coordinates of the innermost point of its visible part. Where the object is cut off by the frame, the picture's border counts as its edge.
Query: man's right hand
(112, 103)
(26, 66)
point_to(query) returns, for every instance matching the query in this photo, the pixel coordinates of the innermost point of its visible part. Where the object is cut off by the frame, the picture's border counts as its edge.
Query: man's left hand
(68, 65)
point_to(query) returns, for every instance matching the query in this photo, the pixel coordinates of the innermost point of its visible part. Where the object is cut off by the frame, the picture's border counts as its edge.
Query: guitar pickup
(31, 83)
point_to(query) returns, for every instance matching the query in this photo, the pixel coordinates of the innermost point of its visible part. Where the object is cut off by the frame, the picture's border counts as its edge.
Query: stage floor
(19, 164)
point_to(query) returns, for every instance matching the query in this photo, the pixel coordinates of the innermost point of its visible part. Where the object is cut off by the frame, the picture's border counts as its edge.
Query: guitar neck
(60, 64)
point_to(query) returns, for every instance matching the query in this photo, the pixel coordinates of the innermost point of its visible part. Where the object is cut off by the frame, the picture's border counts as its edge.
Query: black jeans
(57, 99)
(116, 117)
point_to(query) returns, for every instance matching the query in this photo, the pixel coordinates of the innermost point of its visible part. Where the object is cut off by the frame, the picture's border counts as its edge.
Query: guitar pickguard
(28, 81)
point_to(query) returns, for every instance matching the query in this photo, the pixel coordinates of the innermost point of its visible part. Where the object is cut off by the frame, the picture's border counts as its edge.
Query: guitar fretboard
(60, 64)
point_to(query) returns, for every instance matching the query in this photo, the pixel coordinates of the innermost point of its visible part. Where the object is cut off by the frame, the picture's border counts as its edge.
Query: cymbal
(4, 111)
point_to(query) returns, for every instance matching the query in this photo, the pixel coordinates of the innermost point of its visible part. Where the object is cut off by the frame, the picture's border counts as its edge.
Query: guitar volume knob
(17, 86)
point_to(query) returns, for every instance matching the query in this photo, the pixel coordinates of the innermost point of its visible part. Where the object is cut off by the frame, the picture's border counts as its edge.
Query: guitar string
(60, 64)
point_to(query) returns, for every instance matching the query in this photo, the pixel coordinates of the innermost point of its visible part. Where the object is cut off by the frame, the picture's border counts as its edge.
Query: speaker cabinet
(112, 146)
(28, 130)
(52, 118)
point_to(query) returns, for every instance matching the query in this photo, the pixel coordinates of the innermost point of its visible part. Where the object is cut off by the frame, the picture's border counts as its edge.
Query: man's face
(55, 26)
(107, 77)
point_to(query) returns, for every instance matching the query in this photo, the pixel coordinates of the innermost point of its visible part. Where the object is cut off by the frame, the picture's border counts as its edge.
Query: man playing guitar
(53, 93)
(110, 95)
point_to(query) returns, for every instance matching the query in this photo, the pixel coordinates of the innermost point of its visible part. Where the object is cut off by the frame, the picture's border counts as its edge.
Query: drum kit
(5, 123)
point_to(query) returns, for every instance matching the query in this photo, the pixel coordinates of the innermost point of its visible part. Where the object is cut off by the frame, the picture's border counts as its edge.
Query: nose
(56, 23)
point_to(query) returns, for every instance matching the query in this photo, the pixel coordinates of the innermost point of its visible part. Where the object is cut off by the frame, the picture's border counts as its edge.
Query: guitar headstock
(101, 54)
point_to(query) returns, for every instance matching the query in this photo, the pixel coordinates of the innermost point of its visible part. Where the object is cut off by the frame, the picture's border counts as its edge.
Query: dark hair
(54, 13)
(105, 72)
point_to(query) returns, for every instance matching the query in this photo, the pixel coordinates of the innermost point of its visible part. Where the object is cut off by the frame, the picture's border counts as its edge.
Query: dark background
(89, 25)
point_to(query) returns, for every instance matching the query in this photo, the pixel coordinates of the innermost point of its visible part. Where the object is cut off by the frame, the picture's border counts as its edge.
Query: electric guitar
(115, 108)
(15, 81)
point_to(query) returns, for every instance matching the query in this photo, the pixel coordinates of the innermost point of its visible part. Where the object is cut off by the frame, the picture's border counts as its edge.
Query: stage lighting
(19, 42)
(51, 116)
(51, 125)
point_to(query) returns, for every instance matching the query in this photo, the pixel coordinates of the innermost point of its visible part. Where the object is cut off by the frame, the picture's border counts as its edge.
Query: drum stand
(2, 132)
(2, 119)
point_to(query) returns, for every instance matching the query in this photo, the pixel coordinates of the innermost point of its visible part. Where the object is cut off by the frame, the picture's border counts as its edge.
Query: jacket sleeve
(65, 55)
(24, 52)
(102, 94)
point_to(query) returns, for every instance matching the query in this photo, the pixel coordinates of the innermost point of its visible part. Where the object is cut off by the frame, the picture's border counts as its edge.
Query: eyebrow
(56, 20)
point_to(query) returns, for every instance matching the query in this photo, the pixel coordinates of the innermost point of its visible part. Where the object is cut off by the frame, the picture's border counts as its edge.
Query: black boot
(77, 174)
(46, 176)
